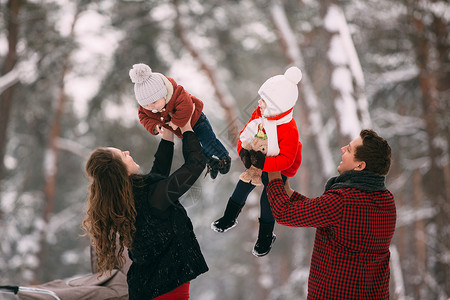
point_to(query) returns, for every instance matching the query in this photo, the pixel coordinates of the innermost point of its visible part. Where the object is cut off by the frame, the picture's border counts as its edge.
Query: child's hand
(174, 127)
(244, 154)
(257, 158)
(159, 129)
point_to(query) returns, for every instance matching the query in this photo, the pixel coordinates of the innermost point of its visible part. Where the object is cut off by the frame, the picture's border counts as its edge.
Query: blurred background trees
(65, 90)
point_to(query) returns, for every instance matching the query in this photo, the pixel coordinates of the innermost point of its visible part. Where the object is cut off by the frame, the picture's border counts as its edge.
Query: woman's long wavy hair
(111, 212)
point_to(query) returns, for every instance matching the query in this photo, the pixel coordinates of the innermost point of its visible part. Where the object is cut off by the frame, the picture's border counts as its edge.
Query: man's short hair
(375, 152)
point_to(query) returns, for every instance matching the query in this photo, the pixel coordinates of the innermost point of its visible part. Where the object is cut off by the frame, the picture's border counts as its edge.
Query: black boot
(224, 165)
(213, 167)
(266, 238)
(228, 220)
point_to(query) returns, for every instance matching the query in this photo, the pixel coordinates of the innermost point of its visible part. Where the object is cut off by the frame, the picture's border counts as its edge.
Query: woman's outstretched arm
(168, 191)
(164, 155)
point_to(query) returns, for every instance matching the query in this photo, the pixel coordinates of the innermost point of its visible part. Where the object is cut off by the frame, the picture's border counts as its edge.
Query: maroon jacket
(351, 254)
(178, 110)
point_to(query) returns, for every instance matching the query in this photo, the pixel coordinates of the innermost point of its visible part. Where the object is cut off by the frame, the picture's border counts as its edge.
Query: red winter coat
(351, 254)
(290, 157)
(178, 110)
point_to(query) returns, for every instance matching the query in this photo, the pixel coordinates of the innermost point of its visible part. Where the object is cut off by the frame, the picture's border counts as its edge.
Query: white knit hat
(280, 92)
(148, 87)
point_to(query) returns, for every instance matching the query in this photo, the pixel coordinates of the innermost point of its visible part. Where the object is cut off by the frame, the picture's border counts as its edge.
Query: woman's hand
(167, 135)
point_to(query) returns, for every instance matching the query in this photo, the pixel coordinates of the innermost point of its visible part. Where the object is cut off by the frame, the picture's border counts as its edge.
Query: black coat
(165, 251)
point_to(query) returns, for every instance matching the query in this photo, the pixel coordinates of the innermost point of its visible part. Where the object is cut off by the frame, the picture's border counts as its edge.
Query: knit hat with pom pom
(280, 92)
(148, 87)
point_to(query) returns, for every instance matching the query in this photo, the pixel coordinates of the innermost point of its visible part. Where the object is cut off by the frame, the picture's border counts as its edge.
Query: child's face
(156, 106)
(262, 105)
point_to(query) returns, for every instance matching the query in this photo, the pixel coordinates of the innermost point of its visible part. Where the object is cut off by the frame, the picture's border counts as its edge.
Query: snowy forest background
(65, 90)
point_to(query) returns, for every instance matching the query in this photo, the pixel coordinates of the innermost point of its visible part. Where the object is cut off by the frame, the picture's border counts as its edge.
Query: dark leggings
(243, 189)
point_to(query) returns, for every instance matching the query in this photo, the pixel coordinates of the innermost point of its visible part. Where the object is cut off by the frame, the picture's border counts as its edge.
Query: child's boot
(213, 167)
(228, 220)
(266, 238)
(224, 165)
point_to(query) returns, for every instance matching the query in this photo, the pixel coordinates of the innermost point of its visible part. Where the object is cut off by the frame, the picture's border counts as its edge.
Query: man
(355, 220)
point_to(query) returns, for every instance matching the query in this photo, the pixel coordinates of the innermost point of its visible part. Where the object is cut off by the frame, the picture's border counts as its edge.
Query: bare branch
(73, 147)
(9, 79)
(225, 98)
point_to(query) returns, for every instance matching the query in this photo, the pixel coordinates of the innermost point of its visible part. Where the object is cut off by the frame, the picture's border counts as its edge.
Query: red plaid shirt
(351, 254)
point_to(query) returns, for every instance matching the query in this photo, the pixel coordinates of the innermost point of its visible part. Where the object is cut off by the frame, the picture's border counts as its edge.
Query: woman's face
(132, 167)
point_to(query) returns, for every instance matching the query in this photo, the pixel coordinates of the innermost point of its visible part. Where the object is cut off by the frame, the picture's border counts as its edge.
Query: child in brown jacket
(165, 104)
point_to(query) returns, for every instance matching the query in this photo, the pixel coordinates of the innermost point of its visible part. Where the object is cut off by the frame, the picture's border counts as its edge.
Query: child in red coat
(165, 104)
(274, 112)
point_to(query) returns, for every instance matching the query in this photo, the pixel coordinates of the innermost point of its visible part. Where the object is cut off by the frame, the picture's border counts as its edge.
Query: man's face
(348, 162)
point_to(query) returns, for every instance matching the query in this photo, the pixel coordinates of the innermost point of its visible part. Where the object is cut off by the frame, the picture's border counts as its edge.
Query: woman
(144, 213)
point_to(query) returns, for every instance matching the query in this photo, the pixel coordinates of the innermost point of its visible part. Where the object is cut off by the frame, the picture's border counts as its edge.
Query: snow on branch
(397, 276)
(73, 147)
(409, 216)
(50, 159)
(286, 34)
(294, 55)
(399, 75)
(335, 22)
(434, 285)
(347, 77)
(398, 125)
(437, 8)
(63, 220)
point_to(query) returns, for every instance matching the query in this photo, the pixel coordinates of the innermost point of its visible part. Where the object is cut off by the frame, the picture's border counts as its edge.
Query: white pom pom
(293, 74)
(140, 73)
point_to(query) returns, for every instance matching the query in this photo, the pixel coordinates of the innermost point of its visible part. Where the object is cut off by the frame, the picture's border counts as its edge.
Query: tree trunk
(52, 155)
(419, 231)
(434, 183)
(439, 28)
(11, 58)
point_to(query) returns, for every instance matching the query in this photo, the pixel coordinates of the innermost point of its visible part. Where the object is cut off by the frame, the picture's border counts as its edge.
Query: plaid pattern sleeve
(301, 211)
